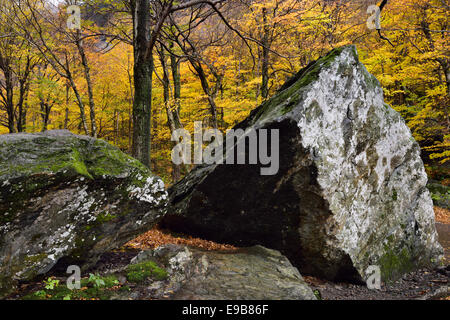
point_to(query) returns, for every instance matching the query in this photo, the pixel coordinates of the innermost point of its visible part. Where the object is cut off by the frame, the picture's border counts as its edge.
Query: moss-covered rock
(71, 198)
(180, 273)
(142, 271)
(350, 191)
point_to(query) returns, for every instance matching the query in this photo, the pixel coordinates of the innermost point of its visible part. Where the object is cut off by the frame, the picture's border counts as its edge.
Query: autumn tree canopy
(137, 70)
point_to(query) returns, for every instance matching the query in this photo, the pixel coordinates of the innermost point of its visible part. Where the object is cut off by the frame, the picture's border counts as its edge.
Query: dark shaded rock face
(350, 191)
(248, 274)
(68, 197)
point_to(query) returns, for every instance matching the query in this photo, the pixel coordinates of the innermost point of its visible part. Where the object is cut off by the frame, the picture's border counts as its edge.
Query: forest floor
(422, 284)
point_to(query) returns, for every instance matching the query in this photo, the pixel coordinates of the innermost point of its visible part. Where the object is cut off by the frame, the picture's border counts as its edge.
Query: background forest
(214, 66)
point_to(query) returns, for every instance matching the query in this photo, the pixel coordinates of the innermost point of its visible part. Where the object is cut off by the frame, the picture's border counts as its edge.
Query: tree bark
(24, 86)
(45, 114)
(265, 57)
(66, 117)
(175, 67)
(8, 98)
(10, 102)
(80, 104)
(207, 90)
(87, 74)
(172, 111)
(143, 72)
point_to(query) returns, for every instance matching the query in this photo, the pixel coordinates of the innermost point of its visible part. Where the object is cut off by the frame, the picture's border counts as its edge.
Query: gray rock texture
(68, 197)
(350, 191)
(254, 273)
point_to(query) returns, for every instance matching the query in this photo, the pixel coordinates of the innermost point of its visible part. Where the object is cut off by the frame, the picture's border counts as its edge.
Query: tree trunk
(8, 85)
(175, 66)
(143, 72)
(172, 111)
(10, 105)
(45, 114)
(87, 75)
(142, 112)
(446, 69)
(207, 90)
(154, 135)
(24, 87)
(265, 57)
(23, 117)
(81, 106)
(116, 126)
(130, 108)
(66, 117)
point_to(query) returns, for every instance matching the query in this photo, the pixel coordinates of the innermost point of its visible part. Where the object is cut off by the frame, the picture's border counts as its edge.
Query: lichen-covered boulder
(351, 187)
(255, 273)
(68, 198)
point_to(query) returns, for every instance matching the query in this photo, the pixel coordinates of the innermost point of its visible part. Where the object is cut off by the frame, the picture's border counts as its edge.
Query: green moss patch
(69, 155)
(145, 270)
(109, 160)
(393, 264)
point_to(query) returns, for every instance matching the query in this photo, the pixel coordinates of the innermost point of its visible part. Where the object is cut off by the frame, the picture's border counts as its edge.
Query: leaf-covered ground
(442, 215)
(423, 284)
(98, 283)
(156, 237)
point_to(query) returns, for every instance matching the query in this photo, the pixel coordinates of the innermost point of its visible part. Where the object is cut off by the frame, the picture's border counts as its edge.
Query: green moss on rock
(69, 154)
(64, 196)
(395, 263)
(142, 271)
(289, 95)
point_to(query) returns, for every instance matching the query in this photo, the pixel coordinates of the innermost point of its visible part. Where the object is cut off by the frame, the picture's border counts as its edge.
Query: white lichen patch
(369, 165)
(62, 241)
(152, 191)
(5, 228)
(179, 261)
(82, 205)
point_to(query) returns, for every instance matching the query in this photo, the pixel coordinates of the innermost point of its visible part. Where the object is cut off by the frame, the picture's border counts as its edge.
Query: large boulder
(254, 273)
(350, 191)
(68, 198)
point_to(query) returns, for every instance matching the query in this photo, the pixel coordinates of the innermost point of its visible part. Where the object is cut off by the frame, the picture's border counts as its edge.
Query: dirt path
(423, 284)
(443, 229)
